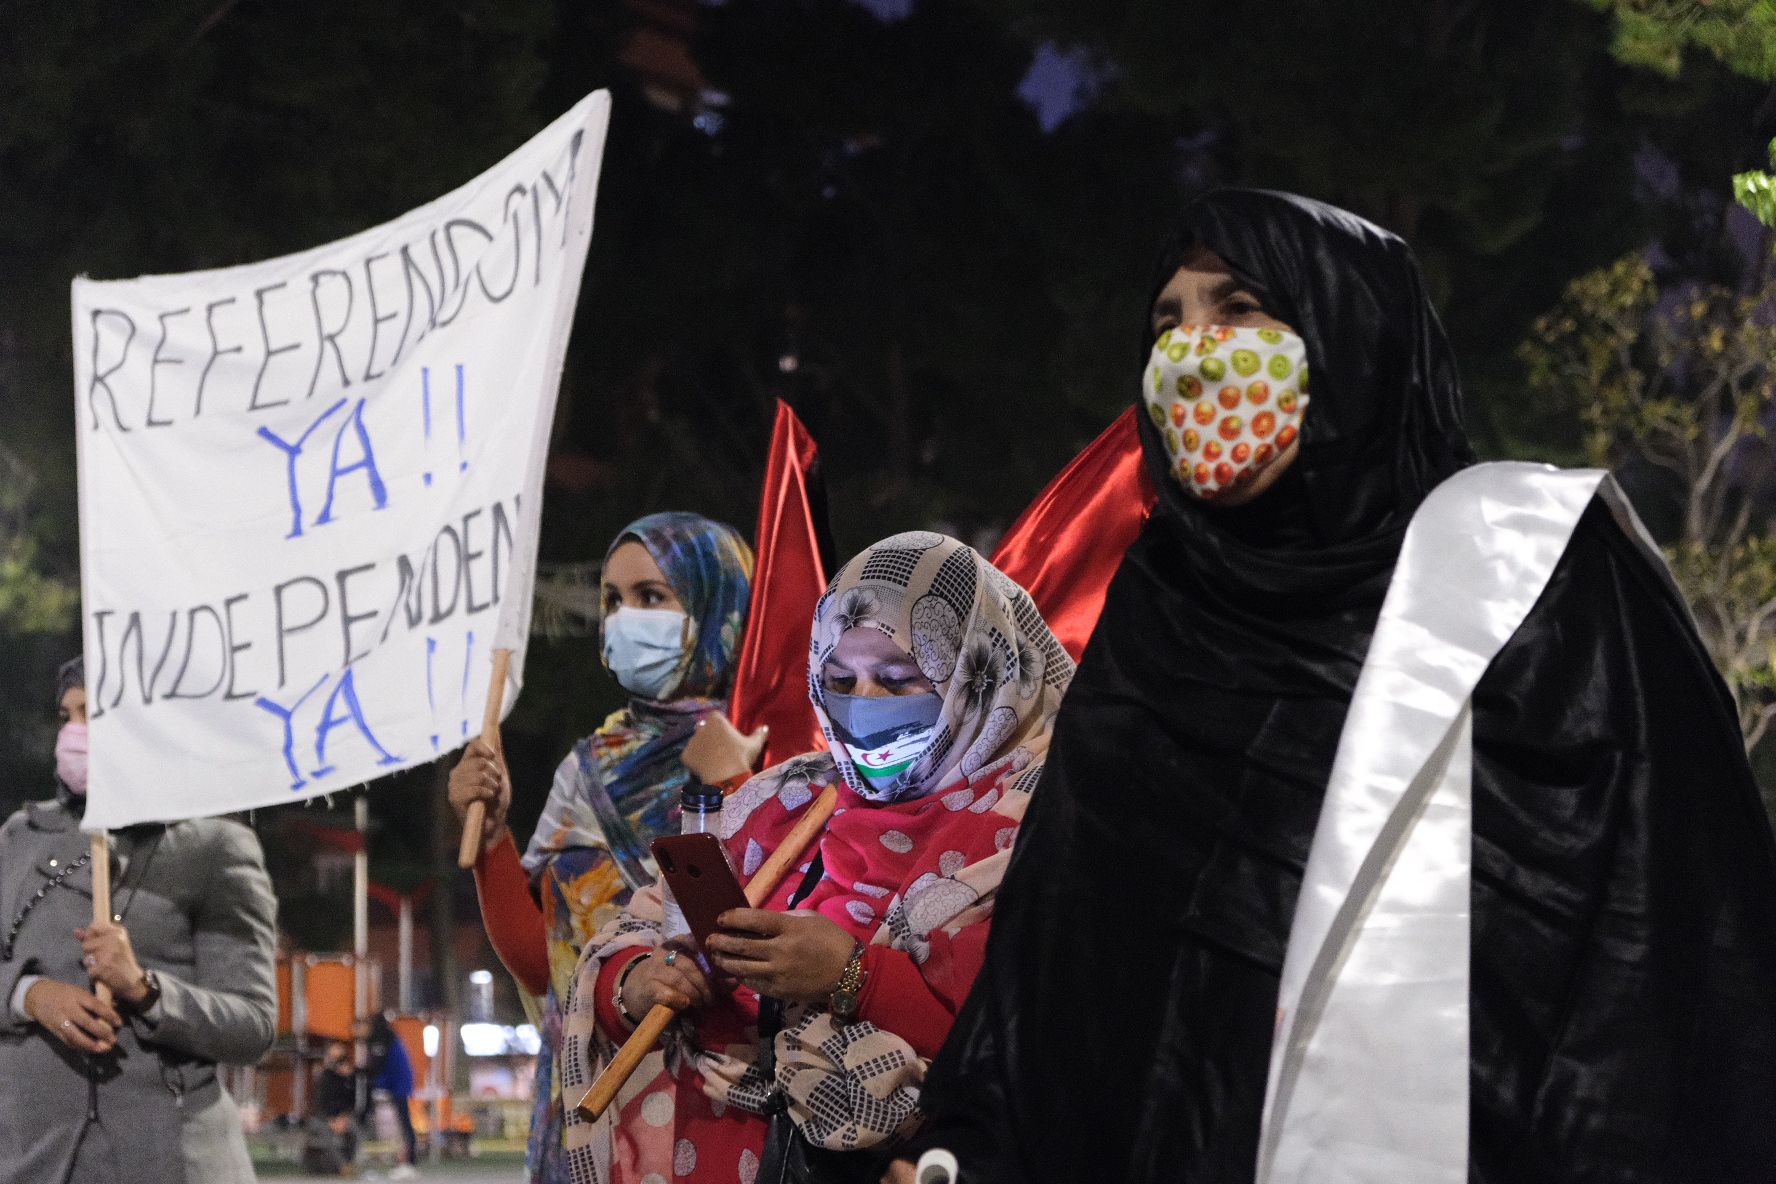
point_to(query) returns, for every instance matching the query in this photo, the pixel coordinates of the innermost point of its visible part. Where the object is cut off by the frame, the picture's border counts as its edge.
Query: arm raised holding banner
(474, 821)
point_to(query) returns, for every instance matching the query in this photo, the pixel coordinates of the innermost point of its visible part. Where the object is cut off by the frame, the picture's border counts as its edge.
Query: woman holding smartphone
(675, 590)
(935, 680)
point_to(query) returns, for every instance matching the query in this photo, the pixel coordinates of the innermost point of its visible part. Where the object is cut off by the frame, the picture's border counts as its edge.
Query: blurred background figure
(333, 1143)
(390, 1069)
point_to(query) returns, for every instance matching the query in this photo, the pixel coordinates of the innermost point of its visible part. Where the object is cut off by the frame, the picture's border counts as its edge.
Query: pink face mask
(1227, 402)
(70, 757)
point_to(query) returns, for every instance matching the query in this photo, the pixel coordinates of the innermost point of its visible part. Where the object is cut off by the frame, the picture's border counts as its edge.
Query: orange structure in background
(317, 1004)
(286, 1021)
(327, 995)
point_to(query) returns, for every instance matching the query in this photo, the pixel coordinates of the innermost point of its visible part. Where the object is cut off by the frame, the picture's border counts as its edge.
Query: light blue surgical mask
(644, 650)
(885, 735)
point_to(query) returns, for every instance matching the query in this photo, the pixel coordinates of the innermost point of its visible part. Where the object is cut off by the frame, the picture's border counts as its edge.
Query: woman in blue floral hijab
(675, 590)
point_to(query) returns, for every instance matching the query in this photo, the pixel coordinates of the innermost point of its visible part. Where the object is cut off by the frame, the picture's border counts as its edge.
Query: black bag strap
(771, 1010)
(775, 1165)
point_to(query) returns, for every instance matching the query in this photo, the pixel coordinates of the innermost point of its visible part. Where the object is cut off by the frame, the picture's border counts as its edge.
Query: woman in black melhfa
(1618, 1013)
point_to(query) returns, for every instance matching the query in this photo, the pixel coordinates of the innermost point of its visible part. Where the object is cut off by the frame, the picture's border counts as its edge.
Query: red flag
(1068, 543)
(770, 679)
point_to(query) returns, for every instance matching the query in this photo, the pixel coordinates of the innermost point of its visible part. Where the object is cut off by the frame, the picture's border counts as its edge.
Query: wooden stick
(758, 890)
(101, 882)
(628, 1059)
(470, 849)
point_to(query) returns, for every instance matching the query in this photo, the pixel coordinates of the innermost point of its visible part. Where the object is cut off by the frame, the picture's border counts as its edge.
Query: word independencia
(239, 647)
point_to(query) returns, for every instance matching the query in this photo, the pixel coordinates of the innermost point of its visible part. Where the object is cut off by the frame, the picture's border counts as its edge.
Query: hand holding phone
(696, 869)
(793, 956)
(798, 957)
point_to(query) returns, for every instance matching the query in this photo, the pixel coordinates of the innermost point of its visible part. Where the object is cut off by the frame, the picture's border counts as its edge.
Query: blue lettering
(462, 426)
(366, 461)
(284, 714)
(431, 700)
(291, 452)
(425, 404)
(468, 666)
(347, 692)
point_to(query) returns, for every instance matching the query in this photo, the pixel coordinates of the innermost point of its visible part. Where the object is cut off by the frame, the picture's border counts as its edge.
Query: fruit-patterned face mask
(1227, 402)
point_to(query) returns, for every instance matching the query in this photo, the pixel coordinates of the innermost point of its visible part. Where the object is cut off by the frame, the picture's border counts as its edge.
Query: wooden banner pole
(470, 850)
(101, 886)
(758, 890)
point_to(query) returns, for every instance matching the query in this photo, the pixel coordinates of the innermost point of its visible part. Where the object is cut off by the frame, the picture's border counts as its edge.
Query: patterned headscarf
(626, 788)
(973, 632)
(709, 567)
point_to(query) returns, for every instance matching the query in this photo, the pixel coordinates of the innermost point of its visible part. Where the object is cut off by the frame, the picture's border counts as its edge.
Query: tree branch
(1760, 725)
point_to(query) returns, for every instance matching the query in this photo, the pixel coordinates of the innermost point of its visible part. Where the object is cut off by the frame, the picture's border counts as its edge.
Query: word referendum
(324, 330)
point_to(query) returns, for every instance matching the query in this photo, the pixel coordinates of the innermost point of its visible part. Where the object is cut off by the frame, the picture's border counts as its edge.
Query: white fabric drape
(1369, 1068)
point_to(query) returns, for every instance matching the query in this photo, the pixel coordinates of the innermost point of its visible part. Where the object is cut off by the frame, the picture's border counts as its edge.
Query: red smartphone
(702, 880)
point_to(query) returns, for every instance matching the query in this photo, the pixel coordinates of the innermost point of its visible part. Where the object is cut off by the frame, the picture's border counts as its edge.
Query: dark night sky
(1058, 83)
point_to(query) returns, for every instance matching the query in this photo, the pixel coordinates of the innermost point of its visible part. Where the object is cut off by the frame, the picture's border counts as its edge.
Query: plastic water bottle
(702, 809)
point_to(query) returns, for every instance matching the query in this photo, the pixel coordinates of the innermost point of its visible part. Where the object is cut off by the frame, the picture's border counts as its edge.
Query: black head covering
(1288, 571)
(1386, 425)
(71, 673)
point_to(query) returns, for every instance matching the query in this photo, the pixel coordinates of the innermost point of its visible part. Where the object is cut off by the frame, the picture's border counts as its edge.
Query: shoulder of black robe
(1624, 943)
(1624, 975)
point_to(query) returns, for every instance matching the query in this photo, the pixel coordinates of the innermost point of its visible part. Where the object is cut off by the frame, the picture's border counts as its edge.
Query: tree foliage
(1675, 387)
(33, 598)
(1756, 191)
(1741, 34)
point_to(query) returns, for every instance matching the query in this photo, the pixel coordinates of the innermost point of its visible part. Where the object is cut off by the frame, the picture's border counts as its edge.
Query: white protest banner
(310, 490)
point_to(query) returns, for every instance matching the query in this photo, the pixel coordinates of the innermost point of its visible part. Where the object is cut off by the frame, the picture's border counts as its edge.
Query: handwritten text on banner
(310, 487)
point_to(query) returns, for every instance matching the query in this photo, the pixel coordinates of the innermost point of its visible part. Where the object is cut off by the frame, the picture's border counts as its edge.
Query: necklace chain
(18, 922)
